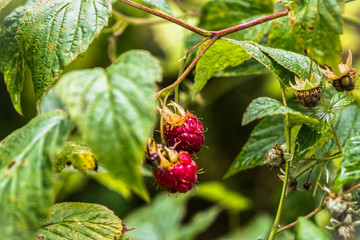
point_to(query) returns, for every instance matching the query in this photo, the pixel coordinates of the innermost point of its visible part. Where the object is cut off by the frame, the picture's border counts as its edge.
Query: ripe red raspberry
(179, 176)
(182, 131)
(187, 136)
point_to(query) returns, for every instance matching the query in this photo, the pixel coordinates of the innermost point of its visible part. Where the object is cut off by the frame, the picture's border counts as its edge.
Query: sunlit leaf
(78, 155)
(114, 110)
(53, 33)
(82, 221)
(12, 64)
(26, 176)
(350, 163)
(264, 136)
(161, 4)
(318, 25)
(282, 37)
(280, 72)
(221, 54)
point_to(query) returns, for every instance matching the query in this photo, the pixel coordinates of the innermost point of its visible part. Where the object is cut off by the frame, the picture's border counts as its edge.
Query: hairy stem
(188, 69)
(275, 226)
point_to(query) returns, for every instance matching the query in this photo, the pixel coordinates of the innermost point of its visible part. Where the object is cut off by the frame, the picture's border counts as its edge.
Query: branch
(192, 28)
(316, 210)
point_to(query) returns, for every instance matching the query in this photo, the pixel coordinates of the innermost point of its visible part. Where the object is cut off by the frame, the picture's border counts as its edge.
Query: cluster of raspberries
(173, 167)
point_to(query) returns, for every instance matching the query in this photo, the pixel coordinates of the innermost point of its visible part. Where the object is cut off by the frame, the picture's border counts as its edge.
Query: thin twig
(353, 188)
(316, 210)
(188, 69)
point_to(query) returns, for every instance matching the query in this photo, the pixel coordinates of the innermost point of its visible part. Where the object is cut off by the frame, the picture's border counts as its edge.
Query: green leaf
(198, 224)
(248, 67)
(12, 64)
(280, 72)
(346, 124)
(306, 230)
(264, 136)
(282, 37)
(78, 155)
(163, 216)
(294, 62)
(161, 4)
(218, 193)
(53, 33)
(82, 221)
(318, 25)
(51, 102)
(220, 14)
(257, 228)
(114, 110)
(26, 176)
(309, 140)
(265, 106)
(340, 100)
(350, 163)
(221, 54)
(111, 182)
(4, 3)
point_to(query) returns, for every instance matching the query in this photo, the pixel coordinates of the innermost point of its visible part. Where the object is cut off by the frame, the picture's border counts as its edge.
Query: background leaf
(12, 64)
(53, 33)
(221, 14)
(162, 4)
(221, 54)
(318, 25)
(26, 176)
(82, 221)
(282, 37)
(264, 136)
(218, 193)
(265, 106)
(164, 217)
(306, 230)
(114, 110)
(350, 163)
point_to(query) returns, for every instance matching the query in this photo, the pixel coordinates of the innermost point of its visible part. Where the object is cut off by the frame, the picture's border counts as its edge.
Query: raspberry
(308, 91)
(179, 176)
(182, 131)
(187, 136)
(309, 98)
(275, 156)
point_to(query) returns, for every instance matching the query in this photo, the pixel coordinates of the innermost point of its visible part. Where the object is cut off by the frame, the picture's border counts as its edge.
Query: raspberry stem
(275, 226)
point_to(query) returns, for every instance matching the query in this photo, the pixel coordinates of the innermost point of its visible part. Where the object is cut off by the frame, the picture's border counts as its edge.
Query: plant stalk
(275, 226)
